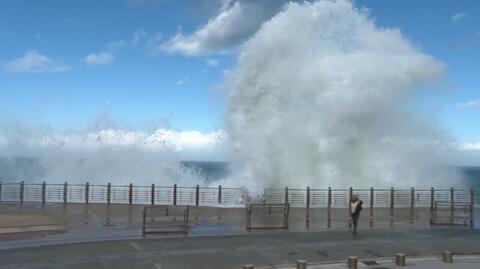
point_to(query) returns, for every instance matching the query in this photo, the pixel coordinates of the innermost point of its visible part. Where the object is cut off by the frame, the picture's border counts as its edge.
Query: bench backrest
(166, 211)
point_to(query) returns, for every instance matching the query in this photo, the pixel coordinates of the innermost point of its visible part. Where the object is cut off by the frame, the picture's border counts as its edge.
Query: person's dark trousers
(355, 217)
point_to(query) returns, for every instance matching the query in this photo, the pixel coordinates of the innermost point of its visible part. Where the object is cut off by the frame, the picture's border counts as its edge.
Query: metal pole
(87, 187)
(452, 199)
(249, 218)
(372, 199)
(350, 194)
(174, 194)
(0, 191)
(22, 189)
(109, 193)
(432, 198)
(130, 194)
(286, 195)
(44, 192)
(472, 205)
(153, 194)
(329, 203)
(392, 198)
(65, 189)
(219, 194)
(412, 198)
(308, 206)
(412, 205)
(472, 199)
(197, 194)
(308, 198)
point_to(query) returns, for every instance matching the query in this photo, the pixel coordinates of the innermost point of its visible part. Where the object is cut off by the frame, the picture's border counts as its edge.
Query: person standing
(355, 208)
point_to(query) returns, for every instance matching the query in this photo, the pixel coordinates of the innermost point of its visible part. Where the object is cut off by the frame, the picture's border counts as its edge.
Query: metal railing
(219, 196)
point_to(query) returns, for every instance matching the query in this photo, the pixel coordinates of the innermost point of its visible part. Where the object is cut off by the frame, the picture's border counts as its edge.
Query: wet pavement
(102, 236)
(260, 249)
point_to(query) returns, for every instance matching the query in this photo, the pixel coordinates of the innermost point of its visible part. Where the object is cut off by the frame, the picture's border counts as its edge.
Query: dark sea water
(472, 176)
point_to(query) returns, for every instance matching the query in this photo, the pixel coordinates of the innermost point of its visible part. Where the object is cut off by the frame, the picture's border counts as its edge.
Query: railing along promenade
(21, 192)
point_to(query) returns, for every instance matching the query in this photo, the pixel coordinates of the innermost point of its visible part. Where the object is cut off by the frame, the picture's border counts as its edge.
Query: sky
(148, 64)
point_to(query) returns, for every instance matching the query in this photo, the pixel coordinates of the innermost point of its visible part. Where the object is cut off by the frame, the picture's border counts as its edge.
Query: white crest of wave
(317, 99)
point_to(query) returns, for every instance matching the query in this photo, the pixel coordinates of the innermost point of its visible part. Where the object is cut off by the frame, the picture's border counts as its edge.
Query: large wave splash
(318, 99)
(107, 155)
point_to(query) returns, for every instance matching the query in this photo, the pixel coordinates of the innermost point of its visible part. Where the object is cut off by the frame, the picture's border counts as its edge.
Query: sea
(30, 170)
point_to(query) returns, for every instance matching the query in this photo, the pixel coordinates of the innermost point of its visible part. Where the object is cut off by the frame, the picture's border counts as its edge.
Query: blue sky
(67, 63)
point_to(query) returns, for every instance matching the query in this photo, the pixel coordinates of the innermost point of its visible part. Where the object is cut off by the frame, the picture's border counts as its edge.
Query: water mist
(318, 99)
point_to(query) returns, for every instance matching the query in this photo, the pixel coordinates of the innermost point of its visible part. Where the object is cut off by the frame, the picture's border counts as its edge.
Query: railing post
(65, 189)
(130, 194)
(412, 198)
(452, 199)
(174, 194)
(392, 198)
(472, 206)
(432, 198)
(197, 195)
(0, 191)
(249, 218)
(219, 194)
(286, 195)
(44, 192)
(329, 197)
(350, 194)
(329, 203)
(109, 192)
(472, 199)
(22, 189)
(308, 206)
(87, 190)
(153, 194)
(308, 198)
(372, 199)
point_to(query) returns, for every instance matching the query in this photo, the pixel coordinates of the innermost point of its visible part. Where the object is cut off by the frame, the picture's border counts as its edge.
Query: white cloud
(138, 36)
(234, 22)
(469, 147)
(470, 104)
(180, 82)
(211, 62)
(34, 62)
(458, 16)
(102, 58)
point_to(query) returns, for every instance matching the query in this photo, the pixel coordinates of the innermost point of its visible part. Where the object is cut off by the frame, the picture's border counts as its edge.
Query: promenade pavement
(100, 236)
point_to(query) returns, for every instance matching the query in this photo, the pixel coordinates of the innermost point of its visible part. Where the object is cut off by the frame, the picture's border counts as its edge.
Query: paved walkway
(260, 249)
(100, 236)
